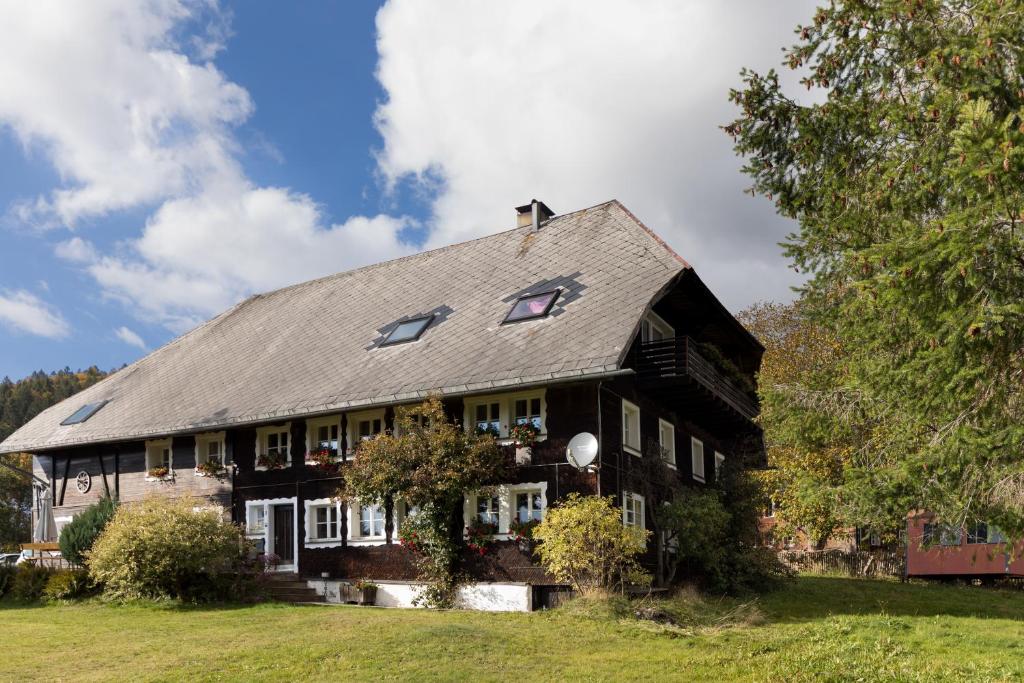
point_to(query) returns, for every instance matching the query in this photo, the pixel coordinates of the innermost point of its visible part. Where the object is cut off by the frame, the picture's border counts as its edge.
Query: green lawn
(816, 628)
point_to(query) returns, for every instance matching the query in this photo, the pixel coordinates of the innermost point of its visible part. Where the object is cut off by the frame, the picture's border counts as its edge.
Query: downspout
(600, 437)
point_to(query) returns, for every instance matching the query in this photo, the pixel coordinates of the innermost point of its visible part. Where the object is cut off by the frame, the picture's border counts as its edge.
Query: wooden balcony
(675, 366)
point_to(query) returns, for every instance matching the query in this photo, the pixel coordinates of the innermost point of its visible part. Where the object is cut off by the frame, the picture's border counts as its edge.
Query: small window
(527, 411)
(364, 426)
(158, 456)
(667, 441)
(210, 448)
(487, 509)
(529, 507)
(942, 534)
(697, 457)
(653, 328)
(719, 462)
(256, 518)
(369, 428)
(488, 418)
(630, 427)
(371, 521)
(407, 331)
(83, 413)
(633, 509)
(532, 306)
(325, 522)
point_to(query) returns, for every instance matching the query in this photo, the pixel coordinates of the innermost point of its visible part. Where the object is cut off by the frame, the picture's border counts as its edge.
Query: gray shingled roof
(311, 348)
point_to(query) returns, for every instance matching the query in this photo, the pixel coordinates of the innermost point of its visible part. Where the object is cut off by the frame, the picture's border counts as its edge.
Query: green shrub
(78, 536)
(585, 543)
(68, 585)
(162, 548)
(7, 572)
(29, 582)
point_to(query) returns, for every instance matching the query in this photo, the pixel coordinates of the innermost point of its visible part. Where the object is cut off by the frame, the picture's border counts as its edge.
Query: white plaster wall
(487, 597)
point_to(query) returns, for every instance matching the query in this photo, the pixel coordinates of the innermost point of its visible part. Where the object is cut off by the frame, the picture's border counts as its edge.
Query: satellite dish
(582, 450)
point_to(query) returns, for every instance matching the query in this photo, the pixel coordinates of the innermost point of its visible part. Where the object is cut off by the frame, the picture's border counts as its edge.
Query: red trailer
(980, 551)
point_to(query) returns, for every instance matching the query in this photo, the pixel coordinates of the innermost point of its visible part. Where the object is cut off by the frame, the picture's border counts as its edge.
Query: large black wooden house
(584, 322)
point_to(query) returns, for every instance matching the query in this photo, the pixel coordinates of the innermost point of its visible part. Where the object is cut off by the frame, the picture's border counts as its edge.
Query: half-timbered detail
(585, 322)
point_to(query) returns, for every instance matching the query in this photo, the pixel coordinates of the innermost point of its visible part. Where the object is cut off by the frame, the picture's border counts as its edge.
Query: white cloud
(129, 337)
(120, 97)
(576, 105)
(24, 311)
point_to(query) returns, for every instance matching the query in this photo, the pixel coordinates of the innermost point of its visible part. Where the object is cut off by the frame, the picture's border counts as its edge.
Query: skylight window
(407, 331)
(532, 306)
(83, 413)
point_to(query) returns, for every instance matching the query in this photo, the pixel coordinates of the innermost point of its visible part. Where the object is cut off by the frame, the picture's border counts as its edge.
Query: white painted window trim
(313, 425)
(654, 321)
(506, 411)
(261, 442)
(719, 461)
(154, 444)
(267, 533)
(627, 407)
(669, 459)
(506, 494)
(353, 420)
(308, 539)
(697, 462)
(354, 516)
(628, 498)
(203, 439)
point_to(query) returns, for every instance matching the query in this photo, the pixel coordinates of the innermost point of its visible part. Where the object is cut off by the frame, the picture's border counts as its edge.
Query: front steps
(288, 587)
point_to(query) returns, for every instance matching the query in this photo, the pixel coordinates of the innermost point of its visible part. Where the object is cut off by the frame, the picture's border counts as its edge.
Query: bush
(584, 542)
(7, 572)
(68, 585)
(162, 548)
(78, 536)
(29, 582)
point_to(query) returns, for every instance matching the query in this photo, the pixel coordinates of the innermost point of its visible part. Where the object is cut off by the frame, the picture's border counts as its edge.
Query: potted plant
(271, 460)
(479, 535)
(160, 472)
(522, 532)
(367, 591)
(524, 435)
(210, 468)
(323, 459)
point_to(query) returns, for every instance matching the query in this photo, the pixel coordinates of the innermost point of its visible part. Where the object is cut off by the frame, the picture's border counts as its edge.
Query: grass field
(816, 628)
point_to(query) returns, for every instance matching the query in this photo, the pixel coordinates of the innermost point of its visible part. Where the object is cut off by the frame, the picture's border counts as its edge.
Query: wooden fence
(847, 562)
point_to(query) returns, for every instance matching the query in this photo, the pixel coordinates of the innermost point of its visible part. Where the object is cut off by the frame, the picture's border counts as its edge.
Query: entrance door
(284, 530)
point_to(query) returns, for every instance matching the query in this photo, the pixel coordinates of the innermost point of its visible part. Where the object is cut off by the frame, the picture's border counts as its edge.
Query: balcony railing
(678, 358)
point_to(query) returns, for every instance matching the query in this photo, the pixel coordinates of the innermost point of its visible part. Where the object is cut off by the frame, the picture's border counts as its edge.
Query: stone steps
(290, 588)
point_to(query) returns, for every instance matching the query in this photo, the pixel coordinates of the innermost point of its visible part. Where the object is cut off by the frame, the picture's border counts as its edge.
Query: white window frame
(629, 505)
(352, 421)
(313, 425)
(311, 540)
(355, 535)
(202, 447)
(267, 532)
(261, 441)
(506, 411)
(506, 494)
(719, 461)
(668, 451)
(157, 446)
(697, 460)
(654, 322)
(627, 408)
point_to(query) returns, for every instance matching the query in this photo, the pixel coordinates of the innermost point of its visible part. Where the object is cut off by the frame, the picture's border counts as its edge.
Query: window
(487, 418)
(984, 533)
(633, 509)
(996, 535)
(487, 509)
(325, 522)
(273, 446)
(697, 457)
(653, 328)
(719, 461)
(371, 521)
(942, 534)
(529, 507)
(366, 425)
(407, 331)
(531, 306)
(83, 413)
(322, 434)
(630, 427)
(667, 441)
(495, 414)
(256, 518)
(158, 455)
(210, 448)
(527, 411)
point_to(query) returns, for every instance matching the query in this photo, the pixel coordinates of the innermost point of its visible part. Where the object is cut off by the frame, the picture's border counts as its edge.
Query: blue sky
(160, 161)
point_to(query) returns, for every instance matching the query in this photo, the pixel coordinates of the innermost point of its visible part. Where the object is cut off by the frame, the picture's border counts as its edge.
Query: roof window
(407, 331)
(532, 306)
(83, 413)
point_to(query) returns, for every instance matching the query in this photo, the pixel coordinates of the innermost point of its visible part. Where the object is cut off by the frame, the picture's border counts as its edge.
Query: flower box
(159, 474)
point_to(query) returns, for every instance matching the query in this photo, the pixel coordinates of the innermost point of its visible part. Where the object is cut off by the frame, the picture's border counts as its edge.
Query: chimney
(535, 213)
